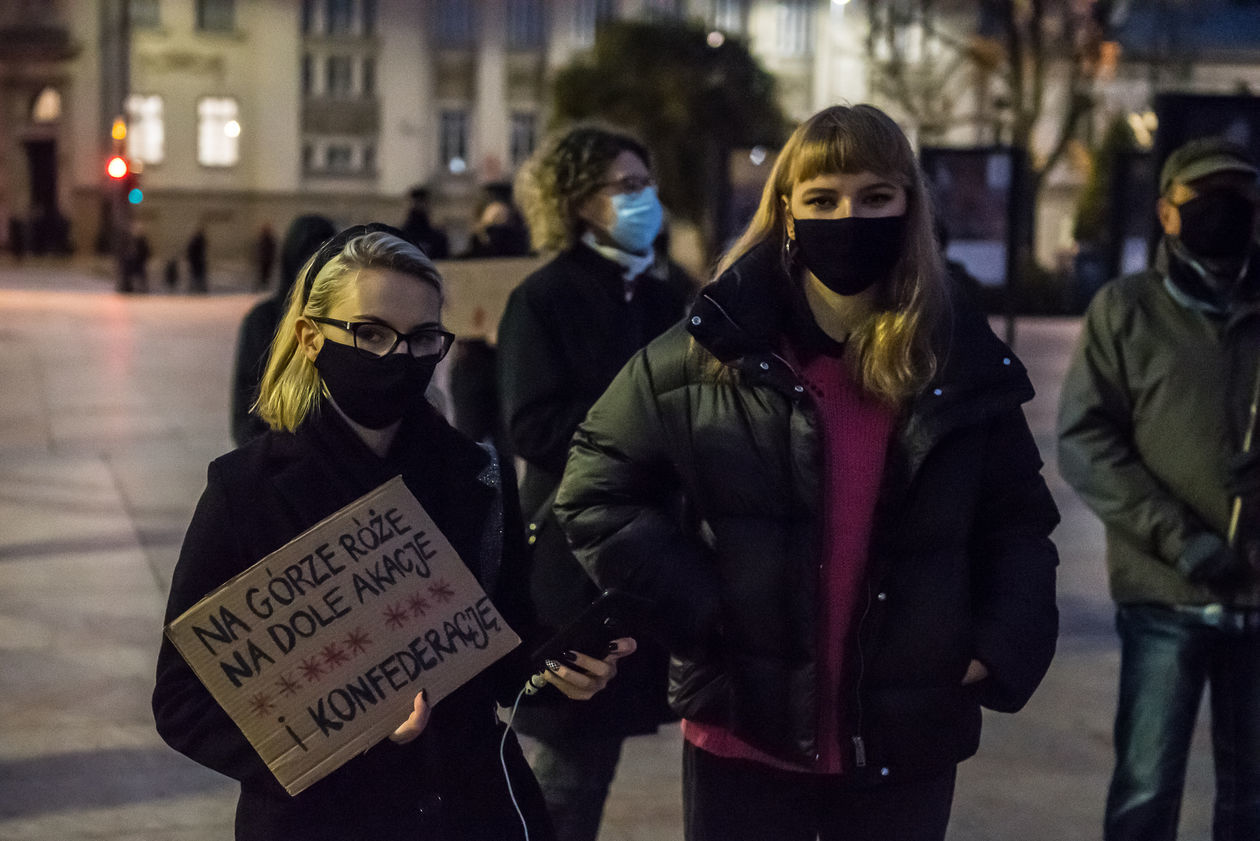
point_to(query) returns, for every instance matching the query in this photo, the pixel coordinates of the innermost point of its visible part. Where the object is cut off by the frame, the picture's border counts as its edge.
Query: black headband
(334, 246)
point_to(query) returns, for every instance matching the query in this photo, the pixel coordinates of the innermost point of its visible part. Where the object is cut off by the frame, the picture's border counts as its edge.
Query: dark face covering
(853, 254)
(373, 391)
(1218, 224)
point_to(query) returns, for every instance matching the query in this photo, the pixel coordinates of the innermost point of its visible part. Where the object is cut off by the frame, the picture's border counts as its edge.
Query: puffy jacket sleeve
(1014, 616)
(1097, 454)
(619, 504)
(187, 716)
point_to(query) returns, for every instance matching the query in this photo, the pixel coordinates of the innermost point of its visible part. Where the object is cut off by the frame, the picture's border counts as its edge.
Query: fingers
(415, 723)
(622, 647)
(976, 672)
(580, 676)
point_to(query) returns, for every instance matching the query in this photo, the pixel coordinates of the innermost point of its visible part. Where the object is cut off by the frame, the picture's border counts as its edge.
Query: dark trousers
(734, 800)
(574, 775)
(1167, 655)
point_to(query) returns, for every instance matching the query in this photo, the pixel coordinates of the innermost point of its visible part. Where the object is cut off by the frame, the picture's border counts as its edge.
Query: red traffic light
(117, 167)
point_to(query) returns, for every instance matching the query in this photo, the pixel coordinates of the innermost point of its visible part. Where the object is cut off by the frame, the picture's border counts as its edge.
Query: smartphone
(612, 615)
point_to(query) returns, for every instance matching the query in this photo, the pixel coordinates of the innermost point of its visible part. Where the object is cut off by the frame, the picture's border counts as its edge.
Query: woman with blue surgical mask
(589, 197)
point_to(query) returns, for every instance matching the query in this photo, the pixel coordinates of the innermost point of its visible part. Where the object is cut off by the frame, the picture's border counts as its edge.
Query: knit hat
(1205, 156)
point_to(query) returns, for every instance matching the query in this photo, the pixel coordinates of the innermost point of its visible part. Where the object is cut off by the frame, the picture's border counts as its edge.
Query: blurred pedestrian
(17, 238)
(1152, 426)
(305, 235)
(823, 481)
(500, 229)
(265, 255)
(135, 261)
(590, 198)
(419, 228)
(195, 253)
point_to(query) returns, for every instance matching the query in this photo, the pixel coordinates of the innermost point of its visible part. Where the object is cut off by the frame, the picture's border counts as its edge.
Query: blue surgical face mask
(639, 218)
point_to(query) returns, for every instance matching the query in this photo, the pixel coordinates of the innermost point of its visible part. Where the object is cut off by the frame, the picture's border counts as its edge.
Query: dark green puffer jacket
(697, 485)
(1152, 408)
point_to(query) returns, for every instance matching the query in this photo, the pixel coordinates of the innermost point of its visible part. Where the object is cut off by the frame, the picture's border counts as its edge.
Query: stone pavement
(112, 406)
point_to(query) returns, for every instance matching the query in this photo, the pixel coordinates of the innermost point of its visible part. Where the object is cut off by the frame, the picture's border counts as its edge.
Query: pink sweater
(855, 430)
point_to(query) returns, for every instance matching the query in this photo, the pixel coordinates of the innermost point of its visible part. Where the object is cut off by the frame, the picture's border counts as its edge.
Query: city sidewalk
(114, 406)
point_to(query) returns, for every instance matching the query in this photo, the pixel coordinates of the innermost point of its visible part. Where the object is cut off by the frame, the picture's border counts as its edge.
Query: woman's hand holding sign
(415, 723)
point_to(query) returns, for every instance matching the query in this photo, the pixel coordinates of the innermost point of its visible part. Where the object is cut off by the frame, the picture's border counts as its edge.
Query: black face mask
(853, 254)
(373, 392)
(1218, 224)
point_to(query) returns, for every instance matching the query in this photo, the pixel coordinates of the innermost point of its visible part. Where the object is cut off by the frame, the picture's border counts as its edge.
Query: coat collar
(329, 466)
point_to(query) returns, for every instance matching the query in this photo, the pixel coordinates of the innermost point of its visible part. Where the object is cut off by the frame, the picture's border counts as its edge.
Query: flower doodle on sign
(333, 655)
(288, 686)
(261, 704)
(311, 669)
(418, 605)
(441, 591)
(357, 641)
(395, 615)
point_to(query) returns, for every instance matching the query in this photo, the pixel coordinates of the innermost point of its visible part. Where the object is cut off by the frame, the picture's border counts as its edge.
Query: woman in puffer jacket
(824, 482)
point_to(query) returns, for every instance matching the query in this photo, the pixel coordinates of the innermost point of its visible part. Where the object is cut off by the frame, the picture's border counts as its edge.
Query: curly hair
(566, 170)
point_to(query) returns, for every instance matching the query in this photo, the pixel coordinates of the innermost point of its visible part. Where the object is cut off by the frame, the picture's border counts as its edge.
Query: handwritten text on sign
(318, 650)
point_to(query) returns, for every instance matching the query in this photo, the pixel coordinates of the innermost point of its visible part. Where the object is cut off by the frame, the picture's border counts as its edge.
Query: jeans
(1167, 655)
(737, 800)
(575, 775)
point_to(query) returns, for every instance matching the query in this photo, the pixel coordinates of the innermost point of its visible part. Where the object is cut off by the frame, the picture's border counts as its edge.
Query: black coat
(447, 784)
(960, 565)
(565, 333)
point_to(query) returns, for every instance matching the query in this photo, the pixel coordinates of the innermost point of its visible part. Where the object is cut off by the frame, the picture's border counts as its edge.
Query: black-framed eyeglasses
(333, 247)
(376, 339)
(629, 183)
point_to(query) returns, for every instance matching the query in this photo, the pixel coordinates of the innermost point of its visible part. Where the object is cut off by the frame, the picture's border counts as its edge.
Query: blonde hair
(894, 356)
(291, 387)
(566, 170)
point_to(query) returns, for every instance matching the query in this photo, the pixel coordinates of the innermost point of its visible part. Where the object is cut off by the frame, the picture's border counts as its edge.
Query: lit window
(794, 27)
(144, 14)
(662, 10)
(525, 24)
(216, 15)
(456, 23)
(218, 132)
(587, 18)
(47, 107)
(453, 143)
(338, 76)
(524, 136)
(728, 15)
(146, 129)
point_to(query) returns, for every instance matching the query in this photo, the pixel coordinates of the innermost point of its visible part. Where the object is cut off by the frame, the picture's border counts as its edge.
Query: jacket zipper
(859, 746)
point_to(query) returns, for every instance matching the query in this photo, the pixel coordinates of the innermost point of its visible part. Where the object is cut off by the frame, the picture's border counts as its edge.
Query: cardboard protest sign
(318, 650)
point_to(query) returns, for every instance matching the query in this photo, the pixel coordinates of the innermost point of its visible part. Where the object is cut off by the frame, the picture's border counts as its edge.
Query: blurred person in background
(305, 235)
(418, 228)
(590, 199)
(1153, 421)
